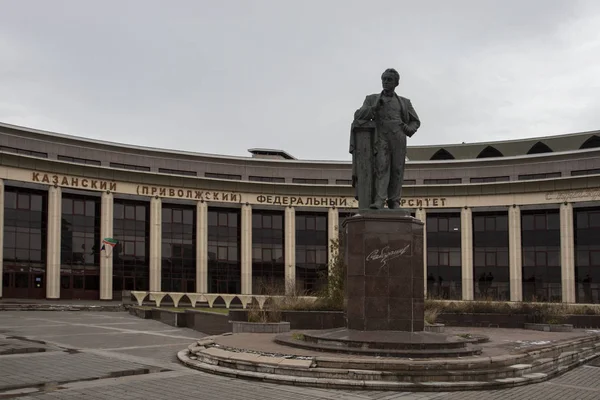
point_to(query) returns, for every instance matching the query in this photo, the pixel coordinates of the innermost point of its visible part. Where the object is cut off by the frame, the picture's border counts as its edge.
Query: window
(78, 160)
(223, 176)
(178, 248)
(444, 277)
(129, 166)
(490, 256)
(587, 255)
(176, 172)
(224, 264)
(585, 172)
(23, 151)
(488, 179)
(311, 251)
(448, 181)
(409, 182)
(343, 182)
(591, 143)
(548, 175)
(24, 228)
(310, 181)
(80, 245)
(490, 151)
(131, 256)
(268, 263)
(442, 154)
(540, 252)
(266, 179)
(539, 148)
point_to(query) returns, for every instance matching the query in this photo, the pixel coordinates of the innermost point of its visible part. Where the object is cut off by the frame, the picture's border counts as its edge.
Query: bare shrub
(432, 312)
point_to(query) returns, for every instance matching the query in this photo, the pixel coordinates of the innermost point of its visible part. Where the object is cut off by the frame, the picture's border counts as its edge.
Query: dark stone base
(385, 284)
(300, 319)
(382, 343)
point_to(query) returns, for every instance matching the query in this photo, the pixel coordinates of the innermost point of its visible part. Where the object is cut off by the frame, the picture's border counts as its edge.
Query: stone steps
(397, 374)
(405, 353)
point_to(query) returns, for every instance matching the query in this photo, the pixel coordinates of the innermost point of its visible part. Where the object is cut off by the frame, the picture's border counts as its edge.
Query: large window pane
(224, 271)
(311, 251)
(444, 255)
(490, 256)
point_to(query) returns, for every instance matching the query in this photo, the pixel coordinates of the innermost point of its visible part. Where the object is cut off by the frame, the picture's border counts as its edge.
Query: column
(201, 247)
(53, 243)
(1, 234)
(246, 251)
(567, 253)
(514, 253)
(155, 243)
(466, 252)
(290, 250)
(421, 214)
(333, 222)
(106, 256)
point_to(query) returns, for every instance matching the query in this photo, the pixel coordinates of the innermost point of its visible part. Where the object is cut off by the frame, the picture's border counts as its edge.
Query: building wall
(191, 233)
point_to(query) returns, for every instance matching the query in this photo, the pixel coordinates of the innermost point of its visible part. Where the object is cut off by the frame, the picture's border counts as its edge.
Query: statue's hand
(408, 130)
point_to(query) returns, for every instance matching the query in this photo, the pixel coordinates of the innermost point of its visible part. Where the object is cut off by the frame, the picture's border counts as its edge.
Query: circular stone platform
(382, 343)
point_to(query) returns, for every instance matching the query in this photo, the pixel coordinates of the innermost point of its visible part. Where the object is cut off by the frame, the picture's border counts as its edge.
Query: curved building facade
(513, 220)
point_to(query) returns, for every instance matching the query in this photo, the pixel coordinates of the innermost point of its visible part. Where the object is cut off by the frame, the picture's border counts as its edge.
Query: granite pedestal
(385, 283)
(385, 294)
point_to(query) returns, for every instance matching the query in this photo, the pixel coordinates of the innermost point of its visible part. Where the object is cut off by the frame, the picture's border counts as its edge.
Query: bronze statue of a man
(395, 119)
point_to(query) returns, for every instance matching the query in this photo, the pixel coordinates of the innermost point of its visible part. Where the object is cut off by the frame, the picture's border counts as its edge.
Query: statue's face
(388, 81)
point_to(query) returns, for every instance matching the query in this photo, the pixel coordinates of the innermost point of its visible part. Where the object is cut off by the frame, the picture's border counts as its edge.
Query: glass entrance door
(19, 284)
(79, 285)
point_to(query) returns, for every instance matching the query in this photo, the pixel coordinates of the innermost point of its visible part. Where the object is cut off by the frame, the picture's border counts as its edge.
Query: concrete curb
(61, 307)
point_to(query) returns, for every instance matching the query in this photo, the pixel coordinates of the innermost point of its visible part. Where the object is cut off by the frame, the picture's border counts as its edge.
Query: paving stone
(156, 349)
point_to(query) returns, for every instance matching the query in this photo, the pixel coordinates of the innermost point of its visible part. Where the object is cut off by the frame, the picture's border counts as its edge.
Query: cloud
(224, 77)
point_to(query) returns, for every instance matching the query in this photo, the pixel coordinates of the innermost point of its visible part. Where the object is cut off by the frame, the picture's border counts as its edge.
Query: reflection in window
(268, 263)
(444, 278)
(131, 258)
(587, 255)
(311, 251)
(80, 240)
(490, 256)
(224, 264)
(540, 239)
(24, 247)
(178, 272)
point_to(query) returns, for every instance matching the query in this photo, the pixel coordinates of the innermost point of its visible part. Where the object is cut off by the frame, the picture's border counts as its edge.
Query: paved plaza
(113, 355)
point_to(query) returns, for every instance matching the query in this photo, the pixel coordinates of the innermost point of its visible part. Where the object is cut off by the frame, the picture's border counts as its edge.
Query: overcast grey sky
(224, 76)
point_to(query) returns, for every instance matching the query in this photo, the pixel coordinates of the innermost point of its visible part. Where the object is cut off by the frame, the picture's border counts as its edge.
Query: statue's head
(390, 79)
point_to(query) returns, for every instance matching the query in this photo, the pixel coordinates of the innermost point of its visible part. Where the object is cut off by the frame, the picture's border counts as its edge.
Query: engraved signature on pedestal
(385, 254)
